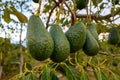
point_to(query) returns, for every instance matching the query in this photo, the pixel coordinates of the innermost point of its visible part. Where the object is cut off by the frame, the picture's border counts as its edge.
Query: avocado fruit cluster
(58, 45)
(43, 44)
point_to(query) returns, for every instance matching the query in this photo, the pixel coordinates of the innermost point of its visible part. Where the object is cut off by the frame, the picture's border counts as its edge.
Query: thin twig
(56, 3)
(98, 17)
(48, 20)
(20, 47)
(73, 14)
(105, 53)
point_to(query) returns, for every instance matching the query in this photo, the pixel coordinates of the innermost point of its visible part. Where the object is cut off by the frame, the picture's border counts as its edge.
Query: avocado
(39, 40)
(80, 4)
(115, 1)
(114, 36)
(93, 31)
(61, 45)
(76, 36)
(114, 63)
(91, 46)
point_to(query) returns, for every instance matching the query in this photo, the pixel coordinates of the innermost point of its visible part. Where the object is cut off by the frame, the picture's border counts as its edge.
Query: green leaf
(102, 6)
(100, 75)
(23, 78)
(29, 76)
(6, 15)
(84, 76)
(53, 75)
(33, 77)
(46, 74)
(103, 76)
(115, 77)
(95, 2)
(72, 73)
(21, 17)
(47, 8)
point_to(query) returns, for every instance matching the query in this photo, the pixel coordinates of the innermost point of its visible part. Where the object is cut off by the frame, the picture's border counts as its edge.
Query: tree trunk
(1, 69)
(20, 47)
(21, 63)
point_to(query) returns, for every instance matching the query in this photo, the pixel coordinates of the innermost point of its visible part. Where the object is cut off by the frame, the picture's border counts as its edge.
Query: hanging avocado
(61, 44)
(91, 46)
(114, 36)
(93, 31)
(115, 2)
(80, 4)
(76, 36)
(39, 41)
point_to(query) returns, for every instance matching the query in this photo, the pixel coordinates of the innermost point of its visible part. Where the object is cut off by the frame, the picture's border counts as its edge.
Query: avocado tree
(78, 53)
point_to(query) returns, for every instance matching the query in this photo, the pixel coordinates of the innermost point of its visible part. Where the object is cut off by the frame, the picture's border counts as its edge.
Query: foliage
(78, 66)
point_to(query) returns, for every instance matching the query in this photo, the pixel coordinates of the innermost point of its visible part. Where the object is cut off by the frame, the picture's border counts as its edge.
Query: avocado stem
(39, 8)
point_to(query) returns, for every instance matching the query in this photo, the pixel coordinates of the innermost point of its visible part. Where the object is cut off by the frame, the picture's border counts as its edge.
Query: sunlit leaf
(6, 15)
(21, 17)
(47, 8)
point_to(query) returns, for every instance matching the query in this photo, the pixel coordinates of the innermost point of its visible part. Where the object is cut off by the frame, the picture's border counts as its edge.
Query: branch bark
(98, 17)
(72, 13)
(48, 20)
(105, 53)
(20, 47)
(1, 69)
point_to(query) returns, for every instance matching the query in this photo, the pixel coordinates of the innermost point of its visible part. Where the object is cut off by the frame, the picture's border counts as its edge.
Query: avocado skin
(115, 2)
(76, 36)
(93, 31)
(91, 46)
(39, 41)
(80, 4)
(61, 45)
(114, 36)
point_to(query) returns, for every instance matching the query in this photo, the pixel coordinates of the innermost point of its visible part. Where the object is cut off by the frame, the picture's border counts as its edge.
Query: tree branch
(105, 53)
(72, 13)
(48, 20)
(98, 17)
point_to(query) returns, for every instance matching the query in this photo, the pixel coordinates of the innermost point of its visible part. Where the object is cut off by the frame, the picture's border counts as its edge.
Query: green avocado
(76, 36)
(114, 63)
(114, 36)
(91, 46)
(115, 1)
(61, 45)
(93, 31)
(36, 1)
(80, 4)
(39, 41)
